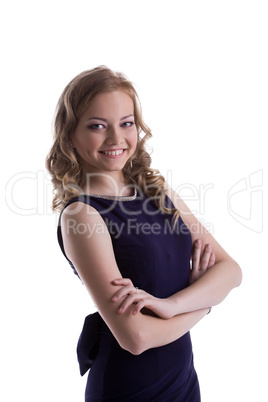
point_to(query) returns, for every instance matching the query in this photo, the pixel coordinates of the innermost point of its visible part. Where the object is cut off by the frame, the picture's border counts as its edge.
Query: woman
(129, 238)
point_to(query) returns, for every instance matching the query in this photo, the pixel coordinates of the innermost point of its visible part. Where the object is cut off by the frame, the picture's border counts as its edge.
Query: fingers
(139, 306)
(122, 282)
(132, 299)
(196, 254)
(212, 260)
(137, 298)
(127, 287)
(129, 295)
(123, 292)
(201, 262)
(205, 258)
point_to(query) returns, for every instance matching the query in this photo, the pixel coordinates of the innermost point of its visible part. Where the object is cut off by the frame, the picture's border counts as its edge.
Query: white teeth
(114, 153)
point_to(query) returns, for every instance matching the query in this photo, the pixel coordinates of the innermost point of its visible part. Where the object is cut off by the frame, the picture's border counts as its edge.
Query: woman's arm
(163, 308)
(212, 288)
(88, 245)
(212, 277)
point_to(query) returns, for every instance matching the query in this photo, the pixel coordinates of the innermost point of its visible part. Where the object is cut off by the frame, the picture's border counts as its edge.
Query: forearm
(151, 332)
(210, 290)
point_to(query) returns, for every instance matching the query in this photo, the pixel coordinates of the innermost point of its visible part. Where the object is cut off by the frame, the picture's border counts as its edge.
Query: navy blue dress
(156, 257)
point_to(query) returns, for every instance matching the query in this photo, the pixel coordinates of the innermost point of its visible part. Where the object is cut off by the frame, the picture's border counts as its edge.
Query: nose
(114, 136)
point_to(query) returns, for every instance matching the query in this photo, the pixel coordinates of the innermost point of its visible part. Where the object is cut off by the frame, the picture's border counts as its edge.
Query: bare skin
(91, 250)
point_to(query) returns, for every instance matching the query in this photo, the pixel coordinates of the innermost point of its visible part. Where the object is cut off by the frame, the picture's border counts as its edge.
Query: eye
(96, 126)
(128, 124)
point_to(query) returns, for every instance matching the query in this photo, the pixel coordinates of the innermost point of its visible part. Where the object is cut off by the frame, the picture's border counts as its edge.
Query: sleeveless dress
(155, 255)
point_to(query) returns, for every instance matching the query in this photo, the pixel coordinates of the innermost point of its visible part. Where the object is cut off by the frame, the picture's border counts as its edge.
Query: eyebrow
(102, 119)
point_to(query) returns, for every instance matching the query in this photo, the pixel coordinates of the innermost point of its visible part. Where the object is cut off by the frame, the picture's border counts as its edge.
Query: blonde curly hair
(63, 162)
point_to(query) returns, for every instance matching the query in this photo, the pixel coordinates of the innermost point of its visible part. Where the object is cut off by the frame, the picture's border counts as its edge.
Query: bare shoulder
(79, 210)
(83, 219)
(84, 233)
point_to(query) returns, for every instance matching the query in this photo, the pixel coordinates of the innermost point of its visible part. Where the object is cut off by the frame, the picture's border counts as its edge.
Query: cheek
(134, 139)
(94, 142)
(89, 143)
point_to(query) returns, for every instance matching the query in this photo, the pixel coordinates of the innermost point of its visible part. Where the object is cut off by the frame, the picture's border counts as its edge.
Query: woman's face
(106, 135)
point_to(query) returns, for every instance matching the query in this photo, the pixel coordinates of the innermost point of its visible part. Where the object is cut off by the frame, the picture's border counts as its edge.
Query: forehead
(110, 103)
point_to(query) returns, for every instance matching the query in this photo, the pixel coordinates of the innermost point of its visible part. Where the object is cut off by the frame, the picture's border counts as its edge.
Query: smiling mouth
(116, 152)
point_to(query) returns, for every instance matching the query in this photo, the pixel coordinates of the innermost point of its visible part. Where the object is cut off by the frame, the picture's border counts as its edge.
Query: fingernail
(115, 298)
(120, 310)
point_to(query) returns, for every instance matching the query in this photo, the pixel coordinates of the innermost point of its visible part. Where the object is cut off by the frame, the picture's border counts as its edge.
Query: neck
(105, 183)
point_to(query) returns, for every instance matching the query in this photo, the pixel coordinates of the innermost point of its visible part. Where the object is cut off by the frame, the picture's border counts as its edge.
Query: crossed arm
(213, 275)
(202, 261)
(139, 332)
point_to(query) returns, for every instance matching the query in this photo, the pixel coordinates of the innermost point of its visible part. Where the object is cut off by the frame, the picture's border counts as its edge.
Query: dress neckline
(115, 197)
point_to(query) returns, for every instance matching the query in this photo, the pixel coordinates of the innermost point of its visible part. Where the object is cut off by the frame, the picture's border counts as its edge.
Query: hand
(140, 299)
(200, 265)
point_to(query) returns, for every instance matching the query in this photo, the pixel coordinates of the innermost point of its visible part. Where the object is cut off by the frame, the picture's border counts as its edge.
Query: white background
(200, 68)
